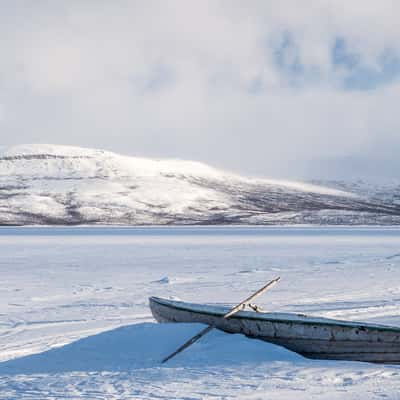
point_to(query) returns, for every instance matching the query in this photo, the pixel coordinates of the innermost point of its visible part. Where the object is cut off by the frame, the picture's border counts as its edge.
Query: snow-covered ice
(75, 322)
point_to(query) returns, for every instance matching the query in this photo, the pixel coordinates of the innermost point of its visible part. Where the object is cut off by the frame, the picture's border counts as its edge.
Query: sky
(294, 89)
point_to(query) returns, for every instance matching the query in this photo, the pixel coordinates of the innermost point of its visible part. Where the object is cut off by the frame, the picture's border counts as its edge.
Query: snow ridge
(64, 185)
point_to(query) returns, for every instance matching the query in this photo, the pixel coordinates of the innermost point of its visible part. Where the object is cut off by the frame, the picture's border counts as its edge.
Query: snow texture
(75, 321)
(61, 185)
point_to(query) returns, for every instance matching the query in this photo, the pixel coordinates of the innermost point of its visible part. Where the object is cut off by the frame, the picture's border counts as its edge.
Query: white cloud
(244, 85)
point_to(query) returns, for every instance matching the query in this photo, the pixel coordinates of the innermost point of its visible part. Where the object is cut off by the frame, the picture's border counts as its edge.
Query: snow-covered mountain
(48, 184)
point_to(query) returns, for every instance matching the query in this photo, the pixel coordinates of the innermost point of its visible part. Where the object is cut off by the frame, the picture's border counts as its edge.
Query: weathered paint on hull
(310, 337)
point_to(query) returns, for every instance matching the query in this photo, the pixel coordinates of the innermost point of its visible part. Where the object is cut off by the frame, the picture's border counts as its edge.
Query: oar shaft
(233, 311)
(189, 342)
(240, 306)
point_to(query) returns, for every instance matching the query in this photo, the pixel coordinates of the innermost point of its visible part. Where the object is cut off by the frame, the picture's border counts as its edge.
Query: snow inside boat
(313, 337)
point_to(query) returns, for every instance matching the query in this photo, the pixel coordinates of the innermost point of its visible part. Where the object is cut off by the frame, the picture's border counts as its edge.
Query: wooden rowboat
(313, 337)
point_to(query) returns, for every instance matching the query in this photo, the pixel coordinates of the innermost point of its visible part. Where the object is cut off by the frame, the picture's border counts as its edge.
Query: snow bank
(143, 346)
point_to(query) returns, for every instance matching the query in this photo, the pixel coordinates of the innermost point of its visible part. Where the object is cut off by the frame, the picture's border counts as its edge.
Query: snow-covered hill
(48, 184)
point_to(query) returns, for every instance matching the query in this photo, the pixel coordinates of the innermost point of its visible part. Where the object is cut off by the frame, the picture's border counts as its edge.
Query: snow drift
(61, 185)
(143, 346)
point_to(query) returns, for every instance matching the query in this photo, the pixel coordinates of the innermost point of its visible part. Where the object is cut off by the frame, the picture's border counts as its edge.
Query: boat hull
(317, 338)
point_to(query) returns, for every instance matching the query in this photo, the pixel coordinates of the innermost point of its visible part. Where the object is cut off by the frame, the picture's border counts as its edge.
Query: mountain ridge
(65, 185)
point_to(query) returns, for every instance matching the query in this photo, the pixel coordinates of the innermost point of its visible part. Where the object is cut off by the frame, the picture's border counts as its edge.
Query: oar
(231, 312)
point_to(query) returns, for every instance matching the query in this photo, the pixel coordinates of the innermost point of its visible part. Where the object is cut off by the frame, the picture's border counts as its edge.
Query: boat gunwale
(341, 323)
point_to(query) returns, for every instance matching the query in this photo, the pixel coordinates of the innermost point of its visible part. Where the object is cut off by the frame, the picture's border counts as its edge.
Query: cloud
(258, 87)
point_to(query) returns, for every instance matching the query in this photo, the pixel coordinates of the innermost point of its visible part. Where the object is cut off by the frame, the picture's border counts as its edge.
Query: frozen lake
(62, 284)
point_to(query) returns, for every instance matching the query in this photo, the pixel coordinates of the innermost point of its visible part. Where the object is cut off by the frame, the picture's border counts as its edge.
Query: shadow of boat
(142, 346)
